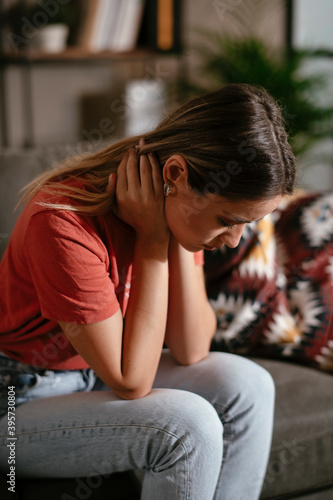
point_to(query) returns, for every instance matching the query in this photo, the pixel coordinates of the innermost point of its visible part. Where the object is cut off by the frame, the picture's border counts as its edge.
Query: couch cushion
(302, 448)
(273, 294)
(326, 494)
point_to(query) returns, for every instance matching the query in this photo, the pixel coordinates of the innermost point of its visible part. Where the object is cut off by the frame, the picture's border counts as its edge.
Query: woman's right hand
(139, 195)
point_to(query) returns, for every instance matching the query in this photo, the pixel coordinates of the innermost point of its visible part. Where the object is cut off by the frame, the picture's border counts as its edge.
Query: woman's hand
(139, 196)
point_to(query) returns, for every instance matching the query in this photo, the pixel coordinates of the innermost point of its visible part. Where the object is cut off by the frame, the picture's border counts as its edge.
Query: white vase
(53, 38)
(145, 105)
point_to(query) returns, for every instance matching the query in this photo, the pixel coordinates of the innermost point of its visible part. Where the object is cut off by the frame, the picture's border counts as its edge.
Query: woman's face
(211, 221)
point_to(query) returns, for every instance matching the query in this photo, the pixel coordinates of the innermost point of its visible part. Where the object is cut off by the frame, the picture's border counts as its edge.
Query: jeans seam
(228, 434)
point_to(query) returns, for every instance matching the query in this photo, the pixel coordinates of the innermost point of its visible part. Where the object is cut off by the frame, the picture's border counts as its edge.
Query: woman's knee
(234, 377)
(182, 433)
(192, 419)
(188, 410)
(188, 452)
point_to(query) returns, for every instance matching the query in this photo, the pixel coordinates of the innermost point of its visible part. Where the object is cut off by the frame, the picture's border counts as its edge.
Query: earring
(166, 189)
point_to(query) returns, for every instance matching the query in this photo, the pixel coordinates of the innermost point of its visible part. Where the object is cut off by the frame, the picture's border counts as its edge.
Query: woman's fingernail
(141, 142)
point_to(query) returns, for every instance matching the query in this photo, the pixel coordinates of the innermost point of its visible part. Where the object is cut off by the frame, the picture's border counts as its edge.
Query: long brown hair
(233, 140)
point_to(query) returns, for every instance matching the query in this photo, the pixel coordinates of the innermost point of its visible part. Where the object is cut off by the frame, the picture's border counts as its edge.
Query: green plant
(250, 60)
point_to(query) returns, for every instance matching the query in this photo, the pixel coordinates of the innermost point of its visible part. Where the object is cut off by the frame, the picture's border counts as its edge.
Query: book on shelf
(123, 25)
(112, 25)
(119, 26)
(161, 25)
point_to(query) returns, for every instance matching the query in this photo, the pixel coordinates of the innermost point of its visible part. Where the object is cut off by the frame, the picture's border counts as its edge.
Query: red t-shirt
(61, 266)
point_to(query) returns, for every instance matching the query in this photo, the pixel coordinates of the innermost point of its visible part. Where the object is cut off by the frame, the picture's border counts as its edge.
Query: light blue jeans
(203, 433)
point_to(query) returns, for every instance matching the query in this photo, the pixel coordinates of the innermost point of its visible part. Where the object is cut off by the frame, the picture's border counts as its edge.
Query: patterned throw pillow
(273, 294)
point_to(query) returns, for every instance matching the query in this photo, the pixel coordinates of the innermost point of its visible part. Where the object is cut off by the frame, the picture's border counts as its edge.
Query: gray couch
(301, 461)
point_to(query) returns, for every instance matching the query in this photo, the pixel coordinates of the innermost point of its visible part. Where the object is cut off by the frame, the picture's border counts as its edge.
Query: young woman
(104, 268)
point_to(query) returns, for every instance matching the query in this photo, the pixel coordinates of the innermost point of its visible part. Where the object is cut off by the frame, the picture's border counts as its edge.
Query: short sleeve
(69, 265)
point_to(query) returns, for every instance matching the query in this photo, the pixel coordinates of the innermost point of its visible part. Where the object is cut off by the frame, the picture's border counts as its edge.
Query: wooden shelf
(76, 55)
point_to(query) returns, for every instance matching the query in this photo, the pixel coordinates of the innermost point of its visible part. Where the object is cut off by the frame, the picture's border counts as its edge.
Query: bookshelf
(73, 54)
(154, 32)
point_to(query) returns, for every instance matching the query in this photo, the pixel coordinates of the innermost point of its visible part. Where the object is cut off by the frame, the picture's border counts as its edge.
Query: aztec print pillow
(273, 294)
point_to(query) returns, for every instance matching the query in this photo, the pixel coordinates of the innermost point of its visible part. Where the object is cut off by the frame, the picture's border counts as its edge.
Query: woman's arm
(191, 321)
(126, 354)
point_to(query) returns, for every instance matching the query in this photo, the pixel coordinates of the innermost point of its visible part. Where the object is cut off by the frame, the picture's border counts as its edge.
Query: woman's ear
(175, 171)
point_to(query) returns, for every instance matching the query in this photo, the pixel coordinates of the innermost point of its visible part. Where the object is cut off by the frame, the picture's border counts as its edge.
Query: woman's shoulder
(56, 195)
(53, 213)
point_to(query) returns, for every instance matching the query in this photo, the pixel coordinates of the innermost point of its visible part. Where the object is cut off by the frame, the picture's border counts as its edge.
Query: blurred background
(79, 73)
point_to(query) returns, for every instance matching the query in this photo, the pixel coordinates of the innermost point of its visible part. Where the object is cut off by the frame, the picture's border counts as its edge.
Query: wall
(312, 30)
(62, 93)
(55, 99)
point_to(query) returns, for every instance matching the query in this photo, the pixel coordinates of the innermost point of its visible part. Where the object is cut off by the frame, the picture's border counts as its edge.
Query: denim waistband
(31, 383)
